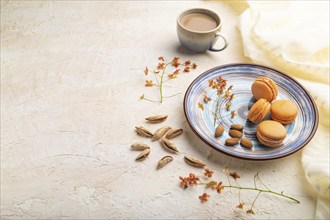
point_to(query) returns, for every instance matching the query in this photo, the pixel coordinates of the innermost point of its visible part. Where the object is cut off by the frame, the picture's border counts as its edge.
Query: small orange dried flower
(240, 205)
(176, 62)
(206, 99)
(227, 94)
(161, 58)
(212, 184)
(183, 182)
(208, 172)
(219, 187)
(161, 66)
(192, 179)
(172, 76)
(177, 71)
(234, 175)
(228, 104)
(204, 197)
(186, 69)
(146, 71)
(194, 66)
(233, 114)
(149, 83)
(201, 106)
(187, 63)
(250, 211)
(231, 97)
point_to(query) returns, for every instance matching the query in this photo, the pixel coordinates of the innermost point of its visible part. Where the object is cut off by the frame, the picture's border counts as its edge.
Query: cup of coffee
(199, 29)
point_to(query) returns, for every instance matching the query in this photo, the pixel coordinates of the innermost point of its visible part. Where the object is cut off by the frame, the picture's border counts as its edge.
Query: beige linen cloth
(293, 37)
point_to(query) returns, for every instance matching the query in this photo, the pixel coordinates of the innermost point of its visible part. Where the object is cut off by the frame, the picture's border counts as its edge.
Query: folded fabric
(293, 37)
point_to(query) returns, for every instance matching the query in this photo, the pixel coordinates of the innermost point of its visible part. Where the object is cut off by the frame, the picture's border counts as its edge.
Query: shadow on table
(179, 49)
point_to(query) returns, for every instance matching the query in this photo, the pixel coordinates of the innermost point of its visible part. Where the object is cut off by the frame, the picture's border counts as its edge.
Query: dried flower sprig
(218, 186)
(162, 70)
(220, 85)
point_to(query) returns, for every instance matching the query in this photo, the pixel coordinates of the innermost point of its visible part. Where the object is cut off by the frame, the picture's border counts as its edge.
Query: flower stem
(260, 191)
(150, 100)
(255, 199)
(216, 109)
(172, 95)
(161, 84)
(216, 114)
(264, 191)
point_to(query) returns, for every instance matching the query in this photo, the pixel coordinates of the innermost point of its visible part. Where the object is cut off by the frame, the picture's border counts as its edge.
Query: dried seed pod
(219, 131)
(245, 142)
(143, 155)
(139, 146)
(194, 161)
(173, 133)
(143, 132)
(156, 118)
(160, 132)
(235, 134)
(231, 141)
(165, 160)
(168, 145)
(237, 127)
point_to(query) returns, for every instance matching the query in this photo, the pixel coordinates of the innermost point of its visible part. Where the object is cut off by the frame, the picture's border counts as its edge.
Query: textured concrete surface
(71, 76)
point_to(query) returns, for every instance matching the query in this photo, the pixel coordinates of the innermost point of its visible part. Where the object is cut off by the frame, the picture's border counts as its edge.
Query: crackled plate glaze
(241, 76)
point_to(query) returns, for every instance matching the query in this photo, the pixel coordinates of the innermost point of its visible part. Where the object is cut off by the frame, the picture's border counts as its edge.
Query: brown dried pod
(143, 132)
(143, 155)
(139, 146)
(219, 131)
(156, 118)
(162, 162)
(160, 132)
(173, 133)
(245, 142)
(235, 134)
(237, 127)
(231, 141)
(194, 161)
(168, 145)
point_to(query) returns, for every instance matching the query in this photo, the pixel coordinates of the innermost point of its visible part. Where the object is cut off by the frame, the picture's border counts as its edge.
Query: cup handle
(217, 35)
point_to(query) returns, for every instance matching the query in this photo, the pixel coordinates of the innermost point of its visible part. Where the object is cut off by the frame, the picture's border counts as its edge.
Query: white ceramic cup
(200, 41)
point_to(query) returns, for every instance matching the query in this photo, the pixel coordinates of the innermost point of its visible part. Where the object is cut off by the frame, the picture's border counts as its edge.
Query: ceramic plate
(241, 76)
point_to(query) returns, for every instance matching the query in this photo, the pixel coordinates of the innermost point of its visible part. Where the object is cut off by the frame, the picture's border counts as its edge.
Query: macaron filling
(283, 120)
(267, 141)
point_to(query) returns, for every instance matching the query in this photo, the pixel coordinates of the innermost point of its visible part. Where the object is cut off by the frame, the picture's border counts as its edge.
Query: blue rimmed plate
(241, 76)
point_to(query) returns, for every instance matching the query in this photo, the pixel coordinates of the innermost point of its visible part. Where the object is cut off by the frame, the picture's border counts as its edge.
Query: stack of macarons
(270, 132)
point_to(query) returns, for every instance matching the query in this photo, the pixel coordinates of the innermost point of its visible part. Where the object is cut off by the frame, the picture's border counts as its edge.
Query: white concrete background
(71, 75)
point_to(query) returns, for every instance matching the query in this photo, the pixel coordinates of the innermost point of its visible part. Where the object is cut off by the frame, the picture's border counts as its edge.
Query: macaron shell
(259, 110)
(273, 86)
(264, 87)
(263, 113)
(261, 90)
(284, 111)
(271, 130)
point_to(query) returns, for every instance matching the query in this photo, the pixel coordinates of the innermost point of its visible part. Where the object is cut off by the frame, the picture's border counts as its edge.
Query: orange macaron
(259, 111)
(271, 133)
(283, 111)
(264, 87)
